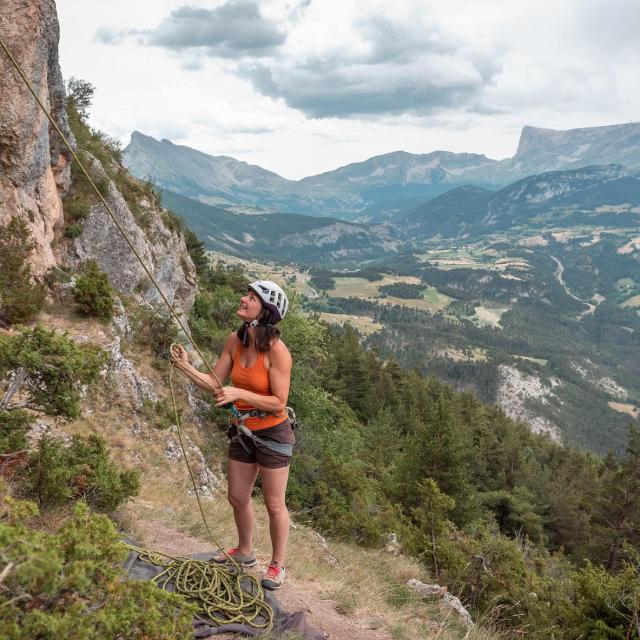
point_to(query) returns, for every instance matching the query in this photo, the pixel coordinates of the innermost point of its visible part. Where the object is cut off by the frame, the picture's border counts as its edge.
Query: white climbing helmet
(273, 297)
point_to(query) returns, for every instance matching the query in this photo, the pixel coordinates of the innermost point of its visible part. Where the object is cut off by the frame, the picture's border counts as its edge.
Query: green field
(363, 324)
(362, 288)
(349, 287)
(473, 258)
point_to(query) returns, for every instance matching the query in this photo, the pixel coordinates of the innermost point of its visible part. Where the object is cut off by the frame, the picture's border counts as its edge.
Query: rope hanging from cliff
(216, 588)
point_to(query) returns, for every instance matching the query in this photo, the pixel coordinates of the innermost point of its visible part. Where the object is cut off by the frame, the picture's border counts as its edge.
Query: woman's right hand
(179, 355)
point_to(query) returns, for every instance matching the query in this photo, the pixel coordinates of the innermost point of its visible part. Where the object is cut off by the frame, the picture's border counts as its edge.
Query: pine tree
(618, 512)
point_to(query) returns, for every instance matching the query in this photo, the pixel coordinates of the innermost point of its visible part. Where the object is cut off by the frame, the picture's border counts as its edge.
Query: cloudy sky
(304, 86)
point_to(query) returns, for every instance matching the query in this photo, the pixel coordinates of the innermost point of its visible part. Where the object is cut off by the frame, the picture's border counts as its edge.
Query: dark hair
(265, 331)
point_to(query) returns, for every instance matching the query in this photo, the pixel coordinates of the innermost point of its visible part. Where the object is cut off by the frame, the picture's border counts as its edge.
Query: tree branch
(14, 386)
(5, 571)
(26, 405)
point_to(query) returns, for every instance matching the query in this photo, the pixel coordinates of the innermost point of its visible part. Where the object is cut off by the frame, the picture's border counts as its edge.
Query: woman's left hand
(225, 395)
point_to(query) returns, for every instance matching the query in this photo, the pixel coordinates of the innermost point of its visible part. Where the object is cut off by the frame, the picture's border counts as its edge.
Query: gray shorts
(260, 454)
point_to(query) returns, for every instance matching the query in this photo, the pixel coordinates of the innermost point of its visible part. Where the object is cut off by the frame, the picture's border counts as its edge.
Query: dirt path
(295, 595)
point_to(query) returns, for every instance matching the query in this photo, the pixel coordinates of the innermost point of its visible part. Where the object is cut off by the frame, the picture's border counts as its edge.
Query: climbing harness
(243, 433)
(216, 588)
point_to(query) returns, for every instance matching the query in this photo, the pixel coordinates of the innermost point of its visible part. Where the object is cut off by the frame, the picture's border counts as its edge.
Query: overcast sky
(304, 86)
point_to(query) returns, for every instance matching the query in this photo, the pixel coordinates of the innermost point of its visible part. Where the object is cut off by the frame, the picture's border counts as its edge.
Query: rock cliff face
(163, 251)
(541, 150)
(34, 166)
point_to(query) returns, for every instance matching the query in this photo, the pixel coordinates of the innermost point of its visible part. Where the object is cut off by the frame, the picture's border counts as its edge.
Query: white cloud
(414, 74)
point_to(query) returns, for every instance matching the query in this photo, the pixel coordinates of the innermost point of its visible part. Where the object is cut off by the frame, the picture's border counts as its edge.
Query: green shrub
(20, 297)
(173, 221)
(14, 426)
(197, 251)
(57, 473)
(156, 330)
(56, 275)
(604, 606)
(54, 368)
(160, 413)
(76, 207)
(223, 275)
(163, 331)
(69, 584)
(93, 292)
(73, 230)
(213, 317)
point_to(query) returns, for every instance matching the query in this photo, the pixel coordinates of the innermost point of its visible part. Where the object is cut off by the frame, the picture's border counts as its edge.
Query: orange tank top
(256, 380)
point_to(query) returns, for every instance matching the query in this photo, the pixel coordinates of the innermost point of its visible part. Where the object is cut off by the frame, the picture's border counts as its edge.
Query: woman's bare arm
(222, 368)
(279, 379)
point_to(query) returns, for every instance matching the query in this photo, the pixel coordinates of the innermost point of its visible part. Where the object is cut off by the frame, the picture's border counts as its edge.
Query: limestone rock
(163, 251)
(206, 481)
(34, 164)
(515, 392)
(436, 591)
(120, 320)
(128, 378)
(392, 546)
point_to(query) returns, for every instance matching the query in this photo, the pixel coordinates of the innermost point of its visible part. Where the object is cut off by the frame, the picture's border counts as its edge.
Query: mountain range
(599, 195)
(377, 188)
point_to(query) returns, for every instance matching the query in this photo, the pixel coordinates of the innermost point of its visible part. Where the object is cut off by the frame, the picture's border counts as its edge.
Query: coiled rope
(216, 588)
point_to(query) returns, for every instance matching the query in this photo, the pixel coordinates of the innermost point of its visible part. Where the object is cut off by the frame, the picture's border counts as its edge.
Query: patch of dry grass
(363, 324)
(629, 409)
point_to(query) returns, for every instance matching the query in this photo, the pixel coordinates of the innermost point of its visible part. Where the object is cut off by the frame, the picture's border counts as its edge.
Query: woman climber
(259, 365)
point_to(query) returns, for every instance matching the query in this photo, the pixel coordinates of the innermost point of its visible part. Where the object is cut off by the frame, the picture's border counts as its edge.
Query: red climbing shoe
(274, 577)
(243, 559)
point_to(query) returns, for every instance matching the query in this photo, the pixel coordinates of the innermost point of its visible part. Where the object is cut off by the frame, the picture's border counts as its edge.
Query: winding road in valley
(591, 306)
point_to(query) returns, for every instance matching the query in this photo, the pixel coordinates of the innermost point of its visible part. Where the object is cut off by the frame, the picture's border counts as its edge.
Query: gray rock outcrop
(163, 251)
(34, 165)
(449, 600)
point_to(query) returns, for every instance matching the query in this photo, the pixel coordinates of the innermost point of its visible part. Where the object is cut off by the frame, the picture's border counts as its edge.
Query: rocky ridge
(35, 173)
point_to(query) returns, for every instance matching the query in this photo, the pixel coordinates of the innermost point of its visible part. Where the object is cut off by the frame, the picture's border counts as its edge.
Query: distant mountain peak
(541, 150)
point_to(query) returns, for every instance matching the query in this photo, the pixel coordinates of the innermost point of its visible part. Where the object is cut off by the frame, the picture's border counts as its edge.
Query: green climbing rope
(223, 596)
(223, 592)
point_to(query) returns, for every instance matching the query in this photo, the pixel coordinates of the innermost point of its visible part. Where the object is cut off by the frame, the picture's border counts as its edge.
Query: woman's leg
(274, 487)
(241, 477)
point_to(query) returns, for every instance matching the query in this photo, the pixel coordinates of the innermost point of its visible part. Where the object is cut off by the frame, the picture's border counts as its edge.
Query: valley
(477, 271)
